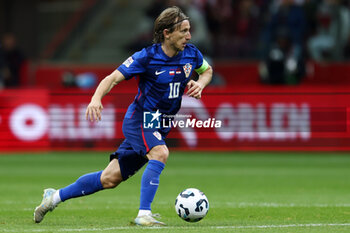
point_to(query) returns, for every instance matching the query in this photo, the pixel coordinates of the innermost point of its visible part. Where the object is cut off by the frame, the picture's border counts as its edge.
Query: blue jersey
(162, 79)
(162, 82)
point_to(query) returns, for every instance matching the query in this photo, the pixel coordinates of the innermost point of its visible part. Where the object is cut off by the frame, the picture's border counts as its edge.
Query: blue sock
(85, 185)
(149, 183)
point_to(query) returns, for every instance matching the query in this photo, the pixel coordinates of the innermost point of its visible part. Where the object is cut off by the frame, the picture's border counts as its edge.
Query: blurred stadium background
(280, 87)
(280, 83)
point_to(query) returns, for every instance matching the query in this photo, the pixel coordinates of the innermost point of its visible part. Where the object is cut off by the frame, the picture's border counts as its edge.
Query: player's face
(180, 37)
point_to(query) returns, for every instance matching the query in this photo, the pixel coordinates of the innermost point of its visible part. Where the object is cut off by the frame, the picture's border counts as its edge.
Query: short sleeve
(202, 64)
(134, 65)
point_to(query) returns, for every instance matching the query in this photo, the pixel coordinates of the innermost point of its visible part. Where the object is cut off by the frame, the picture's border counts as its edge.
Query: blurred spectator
(13, 61)
(86, 80)
(283, 44)
(280, 66)
(246, 29)
(333, 30)
(219, 18)
(68, 79)
(310, 9)
(287, 21)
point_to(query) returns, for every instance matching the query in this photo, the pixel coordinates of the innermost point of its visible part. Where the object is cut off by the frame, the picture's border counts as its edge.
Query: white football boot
(148, 220)
(45, 206)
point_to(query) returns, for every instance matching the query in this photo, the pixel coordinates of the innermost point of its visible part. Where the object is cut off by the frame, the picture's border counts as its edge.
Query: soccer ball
(191, 205)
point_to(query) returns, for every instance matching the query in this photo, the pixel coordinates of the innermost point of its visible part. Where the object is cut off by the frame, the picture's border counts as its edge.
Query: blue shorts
(131, 154)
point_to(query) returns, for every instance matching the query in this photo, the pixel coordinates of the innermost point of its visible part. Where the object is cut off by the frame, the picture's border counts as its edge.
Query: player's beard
(179, 47)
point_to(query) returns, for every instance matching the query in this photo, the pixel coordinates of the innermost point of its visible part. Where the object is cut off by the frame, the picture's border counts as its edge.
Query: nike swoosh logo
(159, 72)
(151, 183)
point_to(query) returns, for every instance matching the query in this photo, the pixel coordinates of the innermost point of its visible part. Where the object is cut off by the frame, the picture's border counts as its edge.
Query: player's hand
(93, 111)
(194, 89)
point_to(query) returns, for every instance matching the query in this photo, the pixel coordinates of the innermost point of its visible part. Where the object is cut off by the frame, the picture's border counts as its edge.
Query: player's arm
(93, 110)
(195, 88)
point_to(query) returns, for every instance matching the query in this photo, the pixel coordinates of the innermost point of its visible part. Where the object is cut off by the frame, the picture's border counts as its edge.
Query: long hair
(169, 19)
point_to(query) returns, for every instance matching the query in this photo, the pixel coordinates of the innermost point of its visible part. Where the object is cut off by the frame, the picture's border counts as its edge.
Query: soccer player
(163, 70)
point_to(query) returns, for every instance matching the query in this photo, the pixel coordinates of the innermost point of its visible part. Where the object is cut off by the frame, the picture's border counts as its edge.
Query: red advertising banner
(24, 120)
(69, 128)
(270, 119)
(251, 118)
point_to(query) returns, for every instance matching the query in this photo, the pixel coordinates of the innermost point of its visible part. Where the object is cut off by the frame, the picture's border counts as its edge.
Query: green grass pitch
(248, 192)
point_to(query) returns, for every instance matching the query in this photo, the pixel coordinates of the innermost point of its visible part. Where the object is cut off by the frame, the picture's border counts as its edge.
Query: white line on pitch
(182, 227)
(267, 204)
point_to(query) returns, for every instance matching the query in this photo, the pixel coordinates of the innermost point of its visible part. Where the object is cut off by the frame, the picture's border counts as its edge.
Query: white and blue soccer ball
(191, 205)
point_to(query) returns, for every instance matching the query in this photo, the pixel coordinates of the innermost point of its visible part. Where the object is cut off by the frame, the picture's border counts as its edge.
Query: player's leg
(157, 156)
(90, 183)
(87, 184)
(111, 177)
(148, 144)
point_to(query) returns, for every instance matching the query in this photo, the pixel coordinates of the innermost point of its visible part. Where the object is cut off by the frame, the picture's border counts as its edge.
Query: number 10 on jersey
(174, 90)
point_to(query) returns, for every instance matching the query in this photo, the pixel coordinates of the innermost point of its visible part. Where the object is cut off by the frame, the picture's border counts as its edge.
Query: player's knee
(160, 153)
(111, 179)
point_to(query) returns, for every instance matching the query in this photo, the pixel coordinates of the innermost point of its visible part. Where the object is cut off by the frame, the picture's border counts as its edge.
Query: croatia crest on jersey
(187, 69)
